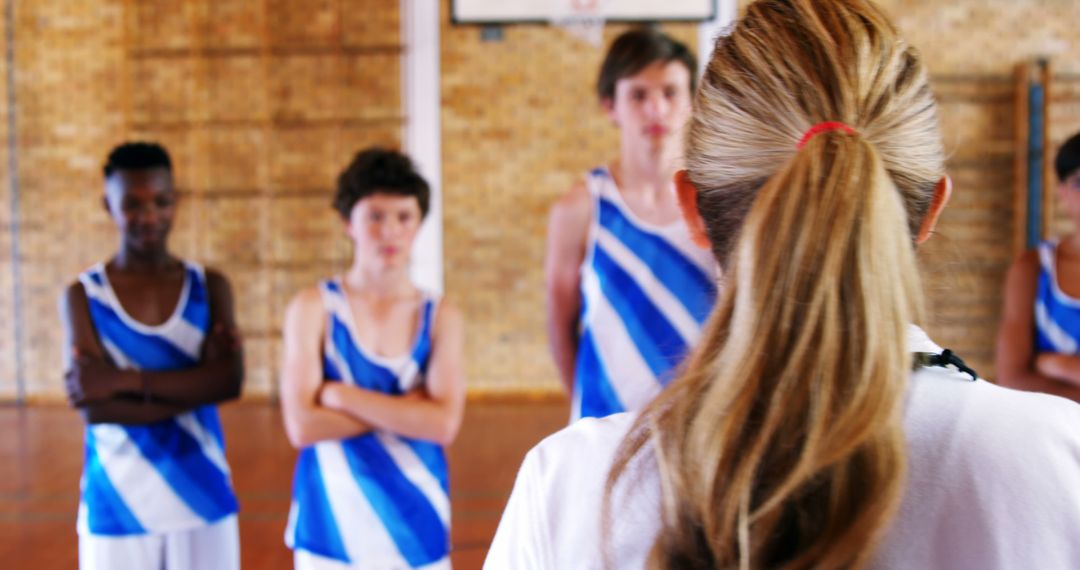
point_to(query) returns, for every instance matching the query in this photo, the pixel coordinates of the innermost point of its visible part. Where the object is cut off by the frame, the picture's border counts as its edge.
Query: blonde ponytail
(780, 444)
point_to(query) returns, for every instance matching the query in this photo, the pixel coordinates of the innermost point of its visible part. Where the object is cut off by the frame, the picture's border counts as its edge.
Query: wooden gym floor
(41, 458)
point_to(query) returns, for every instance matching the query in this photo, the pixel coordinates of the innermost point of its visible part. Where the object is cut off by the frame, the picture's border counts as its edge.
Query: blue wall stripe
(1036, 102)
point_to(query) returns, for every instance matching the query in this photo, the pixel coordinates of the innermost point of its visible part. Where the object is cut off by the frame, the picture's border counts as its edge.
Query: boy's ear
(688, 194)
(608, 105)
(105, 187)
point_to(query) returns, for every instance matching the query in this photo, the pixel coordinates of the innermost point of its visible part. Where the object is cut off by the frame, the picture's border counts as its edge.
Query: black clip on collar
(948, 357)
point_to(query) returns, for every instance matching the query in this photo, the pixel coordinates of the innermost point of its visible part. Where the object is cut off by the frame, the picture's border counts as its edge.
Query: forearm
(207, 383)
(315, 424)
(1035, 382)
(1060, 367)
(563, 343)
(128, 411)
(414, 417)
(1032, 381)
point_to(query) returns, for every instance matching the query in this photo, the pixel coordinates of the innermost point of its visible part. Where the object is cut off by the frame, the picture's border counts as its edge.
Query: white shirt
(993, 482)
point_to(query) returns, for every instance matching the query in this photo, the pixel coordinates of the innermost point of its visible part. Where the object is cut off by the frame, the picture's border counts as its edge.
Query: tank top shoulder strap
(93, 282)
(332, 297)
(600, 183)
(1047, 250)
(196, 273)
(429, 310)
(196, 304)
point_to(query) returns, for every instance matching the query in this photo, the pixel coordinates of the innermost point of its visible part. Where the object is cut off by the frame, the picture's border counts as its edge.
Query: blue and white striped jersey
(165, 476)
(646, 291)
(377, 500)
(1057, 315)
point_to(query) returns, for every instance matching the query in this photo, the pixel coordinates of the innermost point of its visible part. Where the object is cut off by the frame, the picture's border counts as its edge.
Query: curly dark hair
(380, 171)
(137, 155)
(1067, 160)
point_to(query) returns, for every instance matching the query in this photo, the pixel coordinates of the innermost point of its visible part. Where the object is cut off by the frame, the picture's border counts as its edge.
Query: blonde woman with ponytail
(815, 425)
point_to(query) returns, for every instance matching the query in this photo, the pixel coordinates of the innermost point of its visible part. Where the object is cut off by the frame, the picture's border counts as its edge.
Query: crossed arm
(1018, 364)
(107, 394)
(316, 410)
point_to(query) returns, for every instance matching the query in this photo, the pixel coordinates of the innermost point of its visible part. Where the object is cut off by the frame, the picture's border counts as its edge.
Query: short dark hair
(380, 171)
(137, 156)
(637, 49)
(1067, 160)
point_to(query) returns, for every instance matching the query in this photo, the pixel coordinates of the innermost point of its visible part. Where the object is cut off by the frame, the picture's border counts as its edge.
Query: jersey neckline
(178, 310)
(390, 361)
(616, 197)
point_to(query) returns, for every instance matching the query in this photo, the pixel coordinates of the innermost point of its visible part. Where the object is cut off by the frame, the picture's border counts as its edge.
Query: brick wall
(67, 61)
(261, 102)
(972, 48)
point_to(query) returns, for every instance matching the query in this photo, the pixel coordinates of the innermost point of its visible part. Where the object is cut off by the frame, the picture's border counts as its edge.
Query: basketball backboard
(530, 11)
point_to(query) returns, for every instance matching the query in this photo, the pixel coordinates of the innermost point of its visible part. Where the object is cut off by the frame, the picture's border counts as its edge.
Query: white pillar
(726, 11)
(423, 129)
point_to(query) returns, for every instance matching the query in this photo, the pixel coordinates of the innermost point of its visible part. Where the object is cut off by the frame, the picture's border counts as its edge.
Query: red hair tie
(824, 128)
